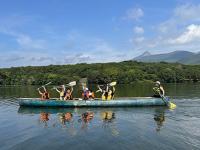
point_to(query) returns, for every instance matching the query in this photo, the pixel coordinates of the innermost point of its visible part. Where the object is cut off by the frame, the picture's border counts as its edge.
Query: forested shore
(126, 72)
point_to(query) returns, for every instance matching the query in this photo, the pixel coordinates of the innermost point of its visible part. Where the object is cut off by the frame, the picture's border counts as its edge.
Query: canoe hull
(93, 103)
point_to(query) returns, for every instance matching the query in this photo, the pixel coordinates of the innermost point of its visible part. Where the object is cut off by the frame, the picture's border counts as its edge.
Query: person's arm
(44, 88)
(63, 87)
(113, 89)
(72, 89)
(99, 89)
(40, 91)
(163, 91)
(57, 90)
(107, 88)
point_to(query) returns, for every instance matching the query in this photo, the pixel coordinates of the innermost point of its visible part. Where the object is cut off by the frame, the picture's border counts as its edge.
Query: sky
(44, 32)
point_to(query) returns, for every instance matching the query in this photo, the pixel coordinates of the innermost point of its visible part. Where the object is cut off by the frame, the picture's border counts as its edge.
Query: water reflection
(65, 117)
(105, 118)
(159, 118)
(44, 118)
(108, 118)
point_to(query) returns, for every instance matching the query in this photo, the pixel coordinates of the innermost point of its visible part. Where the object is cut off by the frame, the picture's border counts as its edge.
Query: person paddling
(45, 94)
(158, 90)
(61, 92)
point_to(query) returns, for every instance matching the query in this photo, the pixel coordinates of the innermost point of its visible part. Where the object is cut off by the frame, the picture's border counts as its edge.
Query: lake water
(131, 128)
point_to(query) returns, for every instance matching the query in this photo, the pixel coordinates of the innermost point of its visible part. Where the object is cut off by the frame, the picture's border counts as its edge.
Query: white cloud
(134, 14)
(191, 34)
(137, 40)
(182, 15)
(188, 12)
(138, 30)
(26, 41)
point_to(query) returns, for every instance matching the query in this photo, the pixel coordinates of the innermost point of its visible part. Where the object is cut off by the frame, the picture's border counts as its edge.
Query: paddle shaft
(45, 85)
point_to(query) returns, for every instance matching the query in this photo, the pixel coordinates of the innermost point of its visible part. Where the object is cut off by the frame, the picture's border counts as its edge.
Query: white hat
(86, 89)
(158, 82)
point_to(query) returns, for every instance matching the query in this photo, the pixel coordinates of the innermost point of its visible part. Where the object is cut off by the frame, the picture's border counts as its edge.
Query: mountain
(195, 59)
(145, 54)
(184, 57)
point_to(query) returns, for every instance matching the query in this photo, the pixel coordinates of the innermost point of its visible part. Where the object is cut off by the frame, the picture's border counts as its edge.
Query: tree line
(126, 72)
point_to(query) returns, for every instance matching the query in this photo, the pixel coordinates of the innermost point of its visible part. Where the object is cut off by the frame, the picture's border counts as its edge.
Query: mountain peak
(175, 56)
(146, 53)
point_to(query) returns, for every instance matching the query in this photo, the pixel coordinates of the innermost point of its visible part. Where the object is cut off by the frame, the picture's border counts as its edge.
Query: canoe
(119, 102)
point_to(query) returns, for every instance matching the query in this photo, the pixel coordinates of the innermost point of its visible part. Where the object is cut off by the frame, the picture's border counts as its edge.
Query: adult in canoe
(44, 94)
(61, 92)
(158, 89)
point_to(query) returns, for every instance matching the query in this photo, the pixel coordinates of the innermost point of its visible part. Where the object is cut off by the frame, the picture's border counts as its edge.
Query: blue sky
(43, 32)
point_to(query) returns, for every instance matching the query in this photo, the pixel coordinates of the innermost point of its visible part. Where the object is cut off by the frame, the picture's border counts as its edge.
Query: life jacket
(157, 91)
(68, 96)
(45, 96)
(104, 96)
(91, 95)
(85, 94)
(62, 94)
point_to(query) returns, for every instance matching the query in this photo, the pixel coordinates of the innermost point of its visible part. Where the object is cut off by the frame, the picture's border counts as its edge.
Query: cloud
(182, 15)
(42, 58)
(77, 58)
(187, 12)
(138, 30)
(14, 58)
(134, 14)
(137, 40)
(27, 42)
(191, 34)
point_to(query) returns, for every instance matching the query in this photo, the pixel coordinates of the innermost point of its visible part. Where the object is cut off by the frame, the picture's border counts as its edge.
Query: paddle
(110, 84)
(44, 85)
(167, 102)
(73, 83)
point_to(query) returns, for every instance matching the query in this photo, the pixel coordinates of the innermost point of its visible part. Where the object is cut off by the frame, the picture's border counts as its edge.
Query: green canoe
(119, 102)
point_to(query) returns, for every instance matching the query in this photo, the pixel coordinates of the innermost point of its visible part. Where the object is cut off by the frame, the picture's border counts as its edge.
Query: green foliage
(126, 72)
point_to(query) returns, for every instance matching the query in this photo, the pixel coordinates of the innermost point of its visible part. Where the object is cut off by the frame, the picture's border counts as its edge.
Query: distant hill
(184, 57)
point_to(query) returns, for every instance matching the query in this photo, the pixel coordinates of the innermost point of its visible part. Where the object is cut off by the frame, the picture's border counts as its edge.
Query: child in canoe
(107, 94)
(68, 95)
(61, 92)
(44, 94)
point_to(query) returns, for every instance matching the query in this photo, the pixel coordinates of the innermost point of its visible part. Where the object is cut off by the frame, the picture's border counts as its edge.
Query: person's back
(158, 90)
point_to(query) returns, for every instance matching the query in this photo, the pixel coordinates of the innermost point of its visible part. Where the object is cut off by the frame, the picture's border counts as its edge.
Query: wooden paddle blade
(113, 83)
(73, 83)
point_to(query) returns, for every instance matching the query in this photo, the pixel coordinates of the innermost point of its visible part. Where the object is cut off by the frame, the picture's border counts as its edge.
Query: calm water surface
(137, 128)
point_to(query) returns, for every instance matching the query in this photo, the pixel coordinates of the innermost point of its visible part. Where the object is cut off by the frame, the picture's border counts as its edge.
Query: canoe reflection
(83, 118)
